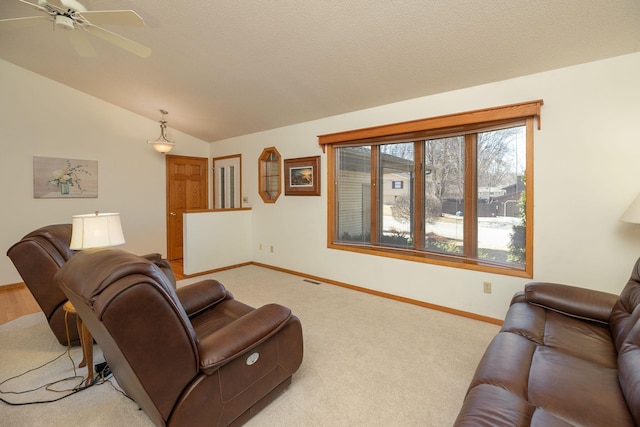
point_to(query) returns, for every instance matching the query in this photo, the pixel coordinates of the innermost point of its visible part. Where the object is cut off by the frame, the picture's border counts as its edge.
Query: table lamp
(96, 230)
(632, 214)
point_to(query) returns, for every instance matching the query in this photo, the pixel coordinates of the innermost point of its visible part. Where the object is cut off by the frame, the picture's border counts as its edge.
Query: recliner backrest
(38, 256)
(131, 308)
(58, 236)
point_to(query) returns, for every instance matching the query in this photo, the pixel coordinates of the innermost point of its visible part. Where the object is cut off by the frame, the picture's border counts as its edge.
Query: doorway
(187, 189)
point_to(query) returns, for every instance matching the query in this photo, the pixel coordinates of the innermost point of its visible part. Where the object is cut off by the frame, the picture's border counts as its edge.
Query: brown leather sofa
(565, 356)
(189, 357)
(38, 256)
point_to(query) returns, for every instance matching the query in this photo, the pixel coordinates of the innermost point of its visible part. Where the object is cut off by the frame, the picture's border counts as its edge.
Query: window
(453, 190)
(227, 173)
(269, 175)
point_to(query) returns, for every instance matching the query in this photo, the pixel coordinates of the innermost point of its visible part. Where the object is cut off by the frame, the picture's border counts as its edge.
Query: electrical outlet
(260, 246)
(486, 286)
(245, 199)
(271, 248)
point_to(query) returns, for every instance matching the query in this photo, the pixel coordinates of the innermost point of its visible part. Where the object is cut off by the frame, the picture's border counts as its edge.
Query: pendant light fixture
(162, 144)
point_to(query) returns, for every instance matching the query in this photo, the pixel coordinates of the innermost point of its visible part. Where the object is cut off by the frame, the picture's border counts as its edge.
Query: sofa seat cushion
(576, 390)
(490, 405)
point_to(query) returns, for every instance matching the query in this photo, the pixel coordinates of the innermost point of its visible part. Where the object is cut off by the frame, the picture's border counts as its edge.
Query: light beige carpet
(368, 361)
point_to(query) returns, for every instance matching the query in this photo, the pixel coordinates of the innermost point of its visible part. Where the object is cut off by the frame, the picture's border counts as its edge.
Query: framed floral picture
(64, 178)
(302, 176)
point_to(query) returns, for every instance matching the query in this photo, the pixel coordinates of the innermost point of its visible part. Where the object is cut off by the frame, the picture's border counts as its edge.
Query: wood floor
(17, 301)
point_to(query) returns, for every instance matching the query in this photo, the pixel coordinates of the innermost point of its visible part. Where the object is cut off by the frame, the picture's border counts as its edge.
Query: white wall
(215, 240)
(39, 117)
(585, 162)
(585, 159)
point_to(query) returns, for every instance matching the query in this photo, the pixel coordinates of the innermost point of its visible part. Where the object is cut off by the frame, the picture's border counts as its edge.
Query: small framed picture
(302, 176)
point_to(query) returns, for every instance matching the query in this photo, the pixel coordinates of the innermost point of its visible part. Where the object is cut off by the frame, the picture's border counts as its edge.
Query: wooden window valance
(422, 128)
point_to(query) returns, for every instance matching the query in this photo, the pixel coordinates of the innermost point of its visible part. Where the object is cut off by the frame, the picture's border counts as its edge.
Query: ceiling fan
(72, 16)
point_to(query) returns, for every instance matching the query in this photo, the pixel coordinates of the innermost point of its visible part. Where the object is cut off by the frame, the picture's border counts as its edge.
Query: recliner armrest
(232, 340)
(572, 301)
(199, 296)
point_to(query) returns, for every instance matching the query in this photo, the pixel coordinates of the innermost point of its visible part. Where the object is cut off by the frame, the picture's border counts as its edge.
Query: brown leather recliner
(189, 357)
(38, 256)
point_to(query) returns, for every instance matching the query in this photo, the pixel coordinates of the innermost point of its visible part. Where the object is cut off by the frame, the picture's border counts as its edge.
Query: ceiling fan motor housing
(64, 22)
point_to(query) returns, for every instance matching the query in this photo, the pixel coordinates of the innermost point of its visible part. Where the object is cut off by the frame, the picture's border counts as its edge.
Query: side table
(86, 342)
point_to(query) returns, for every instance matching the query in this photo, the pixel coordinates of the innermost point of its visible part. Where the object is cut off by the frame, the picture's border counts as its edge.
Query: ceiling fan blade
(35, 6)
(10, 24)
(113, 17)
(67, 4)
(81, 43)
(122, 42)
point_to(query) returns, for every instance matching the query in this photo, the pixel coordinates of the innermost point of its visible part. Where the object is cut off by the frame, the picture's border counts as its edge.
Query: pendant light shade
(162, 144)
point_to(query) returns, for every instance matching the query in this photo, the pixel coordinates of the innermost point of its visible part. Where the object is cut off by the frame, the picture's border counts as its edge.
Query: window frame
(429, 128)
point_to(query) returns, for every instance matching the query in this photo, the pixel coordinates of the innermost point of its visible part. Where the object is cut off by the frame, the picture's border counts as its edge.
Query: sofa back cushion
(625, 330)
(629, 371)
(625, 313)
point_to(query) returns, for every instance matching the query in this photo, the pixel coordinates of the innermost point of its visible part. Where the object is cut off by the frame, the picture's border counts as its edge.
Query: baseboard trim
(229, 267)
(442, 308)
(12, 286)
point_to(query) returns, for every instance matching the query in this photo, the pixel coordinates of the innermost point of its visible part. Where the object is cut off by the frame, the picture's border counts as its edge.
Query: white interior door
(227, 182)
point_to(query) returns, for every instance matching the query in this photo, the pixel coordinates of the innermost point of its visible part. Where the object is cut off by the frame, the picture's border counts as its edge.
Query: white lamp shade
(162, 146)
(632, 214)
(96, 230)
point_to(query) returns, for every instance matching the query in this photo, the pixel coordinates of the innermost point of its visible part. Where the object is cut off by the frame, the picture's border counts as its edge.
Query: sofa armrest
(518, 297)
(199, 296)
(248, 331)
(572, 301)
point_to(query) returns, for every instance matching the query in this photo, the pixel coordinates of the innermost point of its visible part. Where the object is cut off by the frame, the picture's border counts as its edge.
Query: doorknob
(172, 213)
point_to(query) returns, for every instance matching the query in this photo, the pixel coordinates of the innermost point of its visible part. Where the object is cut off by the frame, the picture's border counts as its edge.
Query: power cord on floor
(48, 386)
(103, 374)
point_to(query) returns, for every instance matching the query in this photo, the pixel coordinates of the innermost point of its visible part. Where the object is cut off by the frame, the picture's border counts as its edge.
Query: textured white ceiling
(226, 68)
